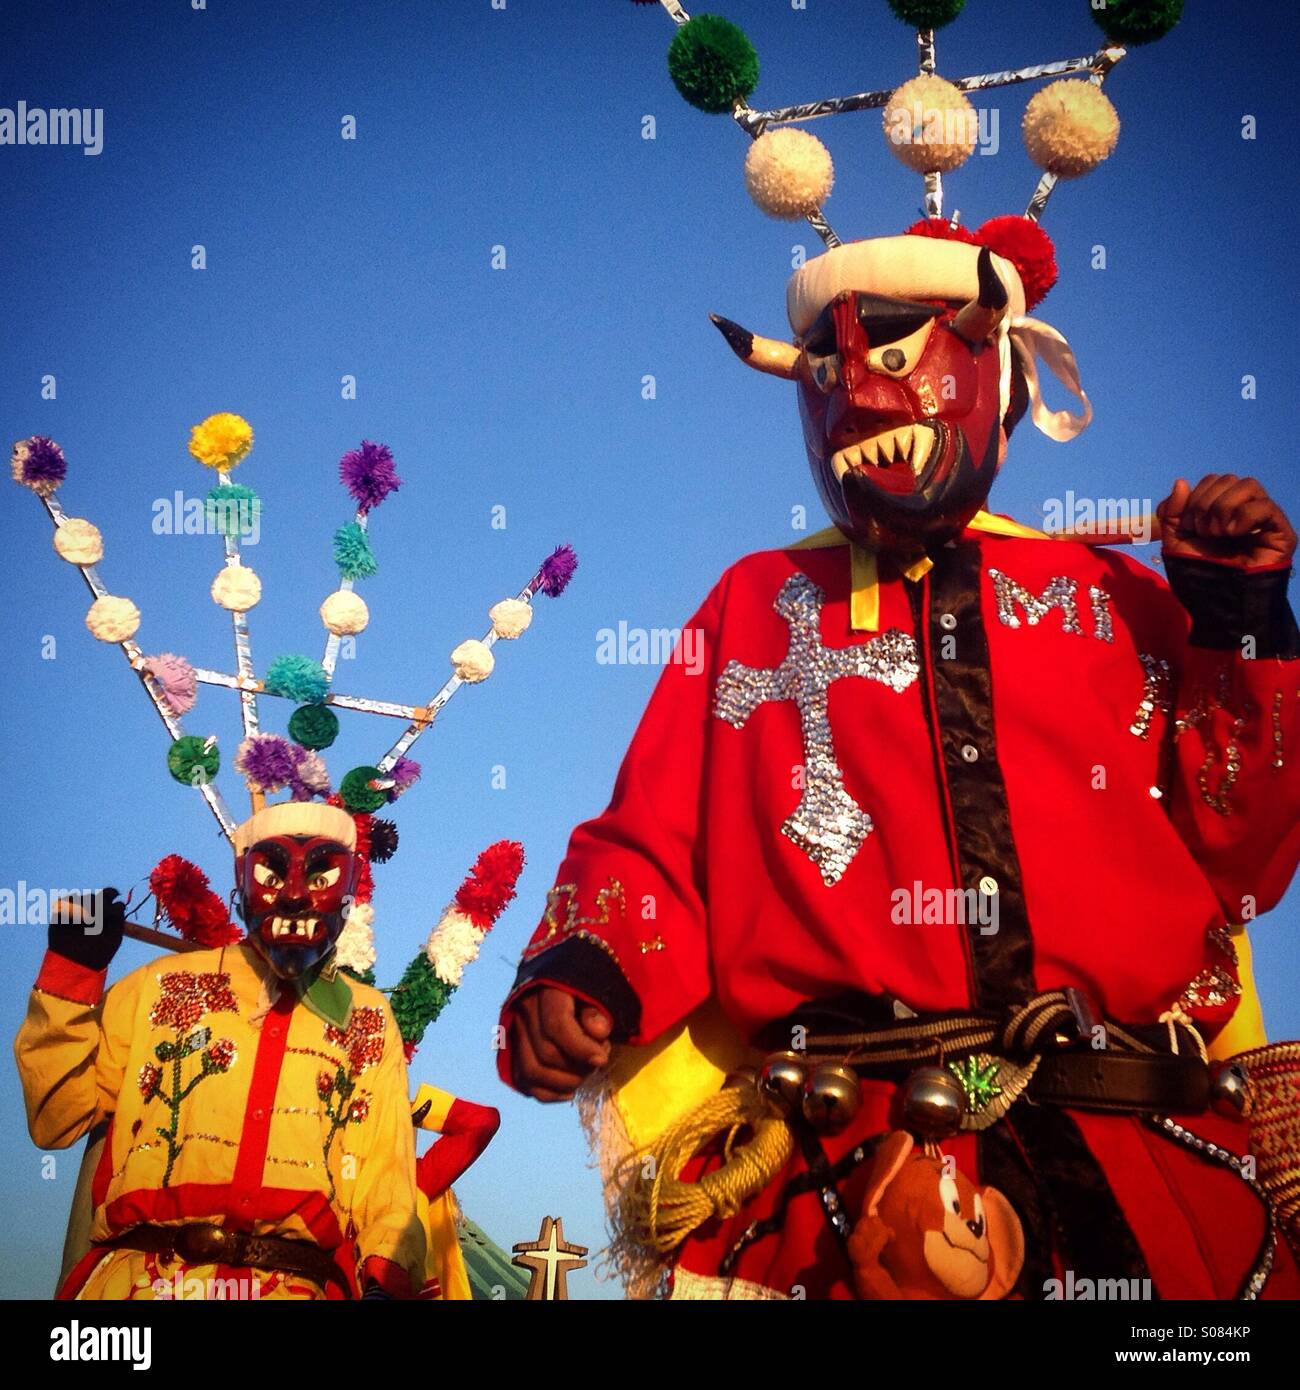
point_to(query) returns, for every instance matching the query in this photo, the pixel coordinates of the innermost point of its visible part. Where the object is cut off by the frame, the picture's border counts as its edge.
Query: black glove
(87, 928)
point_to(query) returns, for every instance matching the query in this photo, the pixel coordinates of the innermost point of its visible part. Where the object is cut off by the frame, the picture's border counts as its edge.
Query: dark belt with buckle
(204, 1242)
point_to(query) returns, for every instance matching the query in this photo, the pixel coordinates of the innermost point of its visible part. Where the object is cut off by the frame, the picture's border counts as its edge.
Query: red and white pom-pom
(479, 901)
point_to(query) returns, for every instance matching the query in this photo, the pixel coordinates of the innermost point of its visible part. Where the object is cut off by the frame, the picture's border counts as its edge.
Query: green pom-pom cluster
(352, 553)
(297, 678)
(418, 999)
(927, 14)
(314, 726)
(358, 796)
(1137, 21)
(233, 510)
(712, 63)
(190, 762)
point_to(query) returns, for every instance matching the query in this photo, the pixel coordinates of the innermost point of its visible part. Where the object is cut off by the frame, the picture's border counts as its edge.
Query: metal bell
(1230, 1090)
(831, 1097)
(781, 1081)
(933, 1102)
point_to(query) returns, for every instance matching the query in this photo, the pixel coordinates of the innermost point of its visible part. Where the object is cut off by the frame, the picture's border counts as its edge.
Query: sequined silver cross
(828, 825)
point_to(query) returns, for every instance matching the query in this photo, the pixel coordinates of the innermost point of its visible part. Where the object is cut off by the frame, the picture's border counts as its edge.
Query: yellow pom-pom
(344, 613)
(222, 440)
(1070, 127)
(510, 617)
(237, 588)
(473, 661)
(79, 542)
(789, 173)
(930, 125)
(113, 619)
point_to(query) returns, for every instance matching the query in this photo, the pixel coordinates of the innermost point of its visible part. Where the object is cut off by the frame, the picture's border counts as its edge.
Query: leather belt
(204, 1242)
(1122, 1081)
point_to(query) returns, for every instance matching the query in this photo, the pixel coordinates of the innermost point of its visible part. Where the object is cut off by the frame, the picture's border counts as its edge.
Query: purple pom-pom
(405, 773)
(271, 761)
(368, 474)
(267, 761)
(38, 463)
(556, 571)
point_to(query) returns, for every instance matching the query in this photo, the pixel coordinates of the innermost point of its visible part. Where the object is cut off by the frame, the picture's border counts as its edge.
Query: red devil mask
(902, 410)
(294, 893)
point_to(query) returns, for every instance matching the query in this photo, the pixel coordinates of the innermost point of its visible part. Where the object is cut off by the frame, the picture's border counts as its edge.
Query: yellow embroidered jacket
(226, 1108)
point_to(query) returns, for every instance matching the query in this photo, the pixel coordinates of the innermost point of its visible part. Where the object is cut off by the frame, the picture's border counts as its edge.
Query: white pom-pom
(473, 661)
(113, 619)
(789, 173)
(236, 588)
(355, 949)
(1070, 127)
(79, 542)
(452, 945)
(344, 613)
(510, 617)
(930, 125)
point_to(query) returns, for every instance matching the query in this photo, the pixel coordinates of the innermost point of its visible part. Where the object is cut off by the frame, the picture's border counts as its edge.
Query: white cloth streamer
(1033, 341)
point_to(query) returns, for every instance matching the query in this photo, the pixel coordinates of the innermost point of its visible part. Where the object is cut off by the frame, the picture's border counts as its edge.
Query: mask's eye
(948, 1195)
(323, 878)
(898, 358)
(266, 876)
(822, 371)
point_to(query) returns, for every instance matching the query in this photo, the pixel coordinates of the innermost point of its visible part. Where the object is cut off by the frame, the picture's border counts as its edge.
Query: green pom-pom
(233, 510)
(314, 726)
(357, 793)
(297, 678)
(352, 553)
(712, 63)
(1137, 21)
(418, 999)
(189, 760)
(927, 14)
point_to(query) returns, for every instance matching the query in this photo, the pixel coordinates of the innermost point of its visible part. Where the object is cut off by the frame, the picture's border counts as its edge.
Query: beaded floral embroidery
(363, 1042)
(184, 1000)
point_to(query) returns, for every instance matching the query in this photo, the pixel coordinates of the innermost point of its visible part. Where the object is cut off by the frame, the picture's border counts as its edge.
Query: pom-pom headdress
(270, 762)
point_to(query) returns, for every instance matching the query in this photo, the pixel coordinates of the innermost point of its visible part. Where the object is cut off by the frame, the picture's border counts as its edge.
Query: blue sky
(520, 388)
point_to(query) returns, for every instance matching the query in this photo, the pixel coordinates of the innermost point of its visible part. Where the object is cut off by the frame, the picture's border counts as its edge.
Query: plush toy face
(900, 417)
(928, 1232)
(294, 890)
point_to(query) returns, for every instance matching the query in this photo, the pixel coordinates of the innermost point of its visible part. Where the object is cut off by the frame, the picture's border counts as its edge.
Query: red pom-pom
(363, 889)
(189, 904)
(491, 883)
(1024, 243)
(941, 229)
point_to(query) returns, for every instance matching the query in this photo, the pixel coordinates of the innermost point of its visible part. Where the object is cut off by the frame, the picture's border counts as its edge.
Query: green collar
(328, 995)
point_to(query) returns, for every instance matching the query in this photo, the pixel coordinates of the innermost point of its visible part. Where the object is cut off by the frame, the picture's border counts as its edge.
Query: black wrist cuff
(1228, 604)
(584, 967)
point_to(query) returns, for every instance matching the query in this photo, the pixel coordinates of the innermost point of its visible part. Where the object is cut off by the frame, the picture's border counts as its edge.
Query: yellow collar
(864, 574)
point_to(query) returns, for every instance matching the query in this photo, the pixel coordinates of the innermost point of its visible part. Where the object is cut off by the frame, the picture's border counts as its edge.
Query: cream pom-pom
(1070, 127)
(344, 613)
(236, 588)
(930, 125)
(510, 617)
(355, 949)
(79, 542)
(113, 619)
(473, 661)
(453, 944)
(789, 173)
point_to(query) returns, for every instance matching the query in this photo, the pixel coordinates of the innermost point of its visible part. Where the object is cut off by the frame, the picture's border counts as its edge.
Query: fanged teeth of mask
(909, 444)
(294, 926)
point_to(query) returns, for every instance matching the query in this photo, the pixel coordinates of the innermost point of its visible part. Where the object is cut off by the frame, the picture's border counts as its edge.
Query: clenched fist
(1226, 518)
(556, 1041)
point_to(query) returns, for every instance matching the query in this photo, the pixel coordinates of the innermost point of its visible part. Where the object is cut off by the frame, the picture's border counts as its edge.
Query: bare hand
(1226, 518)
(556, 1041)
